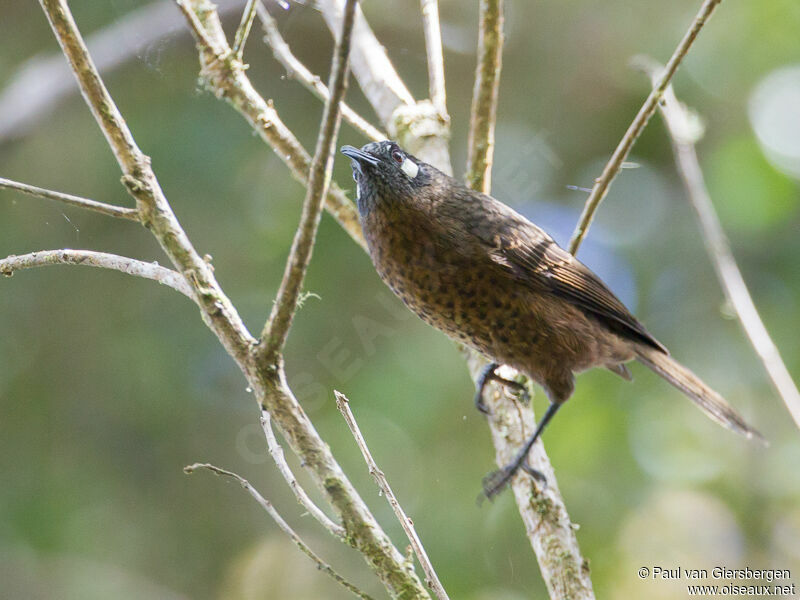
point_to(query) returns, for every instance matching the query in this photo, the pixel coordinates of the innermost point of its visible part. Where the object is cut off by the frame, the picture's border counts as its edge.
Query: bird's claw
(488, 375)
(481, 405)
(535, 473)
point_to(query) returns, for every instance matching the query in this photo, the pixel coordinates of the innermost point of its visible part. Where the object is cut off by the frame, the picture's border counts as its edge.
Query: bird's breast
(452, 287)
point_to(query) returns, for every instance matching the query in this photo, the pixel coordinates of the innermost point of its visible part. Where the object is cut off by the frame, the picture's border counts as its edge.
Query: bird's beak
(358, 157)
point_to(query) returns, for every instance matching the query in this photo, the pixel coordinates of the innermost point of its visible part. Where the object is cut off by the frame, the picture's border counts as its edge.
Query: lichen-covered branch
(363, 531)
(684, 133)
(108, 210)
(547, 524)
(343, 404)
(101, 260)
(297, 70)
(602, 183)
(483, 116)
(282, 524)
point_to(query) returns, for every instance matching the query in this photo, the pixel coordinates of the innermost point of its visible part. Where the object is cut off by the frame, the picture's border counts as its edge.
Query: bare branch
(141, 183)
(284, 526)
(284, 308)
(101, 207)
(276, 451)
(297, 70)
(343, 404)
(243, 31)
(602, 183)
(685, 133)
(103, 260)
(227, 79)
(433, 46)
(483, 116)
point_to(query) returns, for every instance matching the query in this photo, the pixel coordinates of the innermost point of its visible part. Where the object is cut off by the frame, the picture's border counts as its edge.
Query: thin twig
(433, 46)
(280, 319)
(284, 526)
(101, 207)
(343, 404)
(103, 260)
(483, 116)
(297, 70)
(276, 451)
(602, 183)
(685, 133)
(243, 31)
(228, 79)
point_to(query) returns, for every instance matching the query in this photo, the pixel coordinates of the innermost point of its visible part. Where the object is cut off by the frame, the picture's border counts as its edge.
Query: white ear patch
(410, 168)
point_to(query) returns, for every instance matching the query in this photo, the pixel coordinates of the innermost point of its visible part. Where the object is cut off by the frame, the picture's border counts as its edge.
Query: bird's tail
(709, 401)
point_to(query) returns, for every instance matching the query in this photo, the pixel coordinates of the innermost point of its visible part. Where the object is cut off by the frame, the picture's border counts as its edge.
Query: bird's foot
(488, 374)
(496, 481)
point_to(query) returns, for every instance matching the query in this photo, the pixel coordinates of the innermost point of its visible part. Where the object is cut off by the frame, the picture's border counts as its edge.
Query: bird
(492, 280)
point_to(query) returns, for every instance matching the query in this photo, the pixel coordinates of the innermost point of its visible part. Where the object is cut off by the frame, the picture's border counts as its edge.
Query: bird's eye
(397, 156)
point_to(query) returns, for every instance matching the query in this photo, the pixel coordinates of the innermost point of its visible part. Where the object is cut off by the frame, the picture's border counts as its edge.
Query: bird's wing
(534, 258)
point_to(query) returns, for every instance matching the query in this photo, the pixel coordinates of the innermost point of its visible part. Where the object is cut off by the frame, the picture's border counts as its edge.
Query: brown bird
(487, 277)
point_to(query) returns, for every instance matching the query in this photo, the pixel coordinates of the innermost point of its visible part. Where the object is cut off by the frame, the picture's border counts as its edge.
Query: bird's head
(385, 173)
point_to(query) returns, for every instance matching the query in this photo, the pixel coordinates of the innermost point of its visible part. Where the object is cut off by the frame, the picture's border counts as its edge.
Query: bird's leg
(488, 374)
(495, 481)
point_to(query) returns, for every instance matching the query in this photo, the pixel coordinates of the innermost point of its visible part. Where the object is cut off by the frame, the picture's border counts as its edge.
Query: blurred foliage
(110, 385)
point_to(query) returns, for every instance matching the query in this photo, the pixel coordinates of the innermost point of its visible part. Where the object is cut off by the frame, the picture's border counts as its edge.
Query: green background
(109, 385)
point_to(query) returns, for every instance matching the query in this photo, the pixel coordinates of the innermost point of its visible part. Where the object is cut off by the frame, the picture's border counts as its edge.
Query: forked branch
(269, 384)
